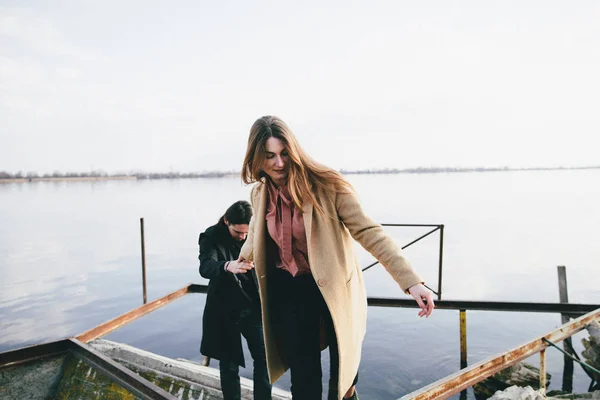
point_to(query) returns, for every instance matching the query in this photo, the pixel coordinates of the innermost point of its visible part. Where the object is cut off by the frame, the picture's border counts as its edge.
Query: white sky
(161, 85)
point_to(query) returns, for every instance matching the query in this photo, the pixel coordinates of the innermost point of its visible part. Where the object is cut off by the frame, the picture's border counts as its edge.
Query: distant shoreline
(219, 174)
(69, 179)
(440, 170)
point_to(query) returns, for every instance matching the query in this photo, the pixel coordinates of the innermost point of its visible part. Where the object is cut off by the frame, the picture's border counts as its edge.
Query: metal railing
(437, 227)
(441, 389)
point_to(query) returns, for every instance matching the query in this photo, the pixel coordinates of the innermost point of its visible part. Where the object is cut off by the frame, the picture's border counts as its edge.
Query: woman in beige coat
(301, 243)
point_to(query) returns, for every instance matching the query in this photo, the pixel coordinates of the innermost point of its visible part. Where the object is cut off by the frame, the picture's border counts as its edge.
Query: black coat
(227, 296)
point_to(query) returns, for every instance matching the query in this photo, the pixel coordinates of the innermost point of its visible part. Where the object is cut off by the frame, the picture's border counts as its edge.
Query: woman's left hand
(420, 293)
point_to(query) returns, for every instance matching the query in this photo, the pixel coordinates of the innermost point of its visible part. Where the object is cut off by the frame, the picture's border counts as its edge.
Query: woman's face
(276, 161)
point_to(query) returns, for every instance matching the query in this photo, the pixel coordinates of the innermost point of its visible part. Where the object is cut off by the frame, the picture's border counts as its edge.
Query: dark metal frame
(116, 372)
(437, 227)
(570, 309)
(31, 353)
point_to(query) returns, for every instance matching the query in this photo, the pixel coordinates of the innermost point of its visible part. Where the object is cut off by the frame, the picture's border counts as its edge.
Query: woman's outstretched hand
(420, 293)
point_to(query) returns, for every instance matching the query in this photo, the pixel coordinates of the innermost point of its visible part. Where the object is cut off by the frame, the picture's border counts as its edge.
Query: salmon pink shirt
(286, 227)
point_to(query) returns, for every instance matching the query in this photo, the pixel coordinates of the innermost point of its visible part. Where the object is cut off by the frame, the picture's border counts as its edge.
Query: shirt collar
(282, 191)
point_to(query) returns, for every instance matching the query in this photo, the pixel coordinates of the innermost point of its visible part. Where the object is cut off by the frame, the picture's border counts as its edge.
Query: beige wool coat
(335, 270)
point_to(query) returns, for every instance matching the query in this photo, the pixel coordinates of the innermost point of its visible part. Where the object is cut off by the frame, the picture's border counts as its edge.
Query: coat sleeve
(210, 266)
(247, 251)
(375, 240)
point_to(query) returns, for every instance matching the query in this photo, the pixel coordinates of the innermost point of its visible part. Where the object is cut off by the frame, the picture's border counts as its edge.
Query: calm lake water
(70, 260)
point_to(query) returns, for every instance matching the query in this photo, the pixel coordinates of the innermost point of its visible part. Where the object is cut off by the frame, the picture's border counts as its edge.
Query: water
(70, 260)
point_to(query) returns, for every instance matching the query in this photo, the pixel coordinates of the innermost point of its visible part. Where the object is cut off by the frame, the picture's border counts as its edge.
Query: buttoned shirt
(285, 225)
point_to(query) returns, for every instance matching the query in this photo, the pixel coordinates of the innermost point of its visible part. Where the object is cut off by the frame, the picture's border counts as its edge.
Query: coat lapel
(260, 229)
(307, 211)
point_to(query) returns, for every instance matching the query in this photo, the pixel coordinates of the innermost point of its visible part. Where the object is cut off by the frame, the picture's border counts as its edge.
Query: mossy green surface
(80, 380)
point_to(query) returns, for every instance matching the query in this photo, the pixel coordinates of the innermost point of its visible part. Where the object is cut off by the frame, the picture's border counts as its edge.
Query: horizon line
(220, 173)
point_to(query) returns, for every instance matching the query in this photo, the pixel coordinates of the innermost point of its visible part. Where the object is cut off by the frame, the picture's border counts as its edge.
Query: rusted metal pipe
(543, 371)
(463, 339)
(115, 323)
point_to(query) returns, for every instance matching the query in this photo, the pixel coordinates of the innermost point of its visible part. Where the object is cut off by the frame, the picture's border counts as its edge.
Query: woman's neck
(278, 183)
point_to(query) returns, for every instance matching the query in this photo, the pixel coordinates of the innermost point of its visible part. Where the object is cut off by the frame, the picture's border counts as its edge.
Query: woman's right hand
(240, 266)
(420, 293)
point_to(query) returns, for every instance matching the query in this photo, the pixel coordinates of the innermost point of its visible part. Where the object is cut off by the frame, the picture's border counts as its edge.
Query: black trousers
(299, 310)
(250, 325)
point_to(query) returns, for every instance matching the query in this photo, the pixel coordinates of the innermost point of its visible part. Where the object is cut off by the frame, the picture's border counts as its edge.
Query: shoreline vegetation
(6, 177)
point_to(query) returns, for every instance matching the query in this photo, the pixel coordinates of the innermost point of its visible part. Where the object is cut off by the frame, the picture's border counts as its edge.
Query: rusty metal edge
(125, 377)
(113, 370)
(456, 382)
(115, 323)
(30, 353)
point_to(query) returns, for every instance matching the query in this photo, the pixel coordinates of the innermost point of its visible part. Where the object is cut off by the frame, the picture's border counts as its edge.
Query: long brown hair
(306, 177)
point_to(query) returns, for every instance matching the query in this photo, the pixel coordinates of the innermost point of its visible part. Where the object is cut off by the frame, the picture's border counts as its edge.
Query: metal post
(143, 260)
(563, 293)
(440, 262)
(543, 371)
(463, 339)
(562, 289)
(205, 361)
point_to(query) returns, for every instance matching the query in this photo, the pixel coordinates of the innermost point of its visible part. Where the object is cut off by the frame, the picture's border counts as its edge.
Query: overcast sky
(176, 85)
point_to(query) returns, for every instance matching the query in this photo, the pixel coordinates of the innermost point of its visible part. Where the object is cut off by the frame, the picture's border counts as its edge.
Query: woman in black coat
(232, 304)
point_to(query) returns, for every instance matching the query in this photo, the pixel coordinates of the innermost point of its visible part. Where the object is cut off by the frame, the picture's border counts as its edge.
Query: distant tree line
(55, 174)
(179, 175)
(433, 170)
(103, 174)
(219, 174)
